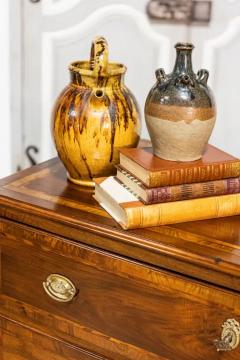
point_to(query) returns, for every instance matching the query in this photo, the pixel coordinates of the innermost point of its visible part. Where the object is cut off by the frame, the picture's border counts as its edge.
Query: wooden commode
(75, 286)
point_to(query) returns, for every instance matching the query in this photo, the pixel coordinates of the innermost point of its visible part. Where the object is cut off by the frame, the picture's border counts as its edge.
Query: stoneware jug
(180, 110)
(94, 116)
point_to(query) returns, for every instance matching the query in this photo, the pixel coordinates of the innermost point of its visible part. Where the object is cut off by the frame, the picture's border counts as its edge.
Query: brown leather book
(153, 171)
(164, 194)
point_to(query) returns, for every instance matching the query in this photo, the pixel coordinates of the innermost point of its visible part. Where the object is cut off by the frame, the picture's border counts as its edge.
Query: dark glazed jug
(180, 110)
(94, 116)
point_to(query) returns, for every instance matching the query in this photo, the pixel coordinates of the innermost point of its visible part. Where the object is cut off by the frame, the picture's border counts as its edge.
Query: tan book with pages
(131, 213)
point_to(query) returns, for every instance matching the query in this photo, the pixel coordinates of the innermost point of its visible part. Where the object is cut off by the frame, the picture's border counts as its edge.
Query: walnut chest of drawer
(76, 286)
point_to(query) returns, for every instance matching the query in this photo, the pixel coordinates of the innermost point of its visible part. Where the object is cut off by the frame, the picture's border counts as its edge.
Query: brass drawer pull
(59, 288)
(230, 337)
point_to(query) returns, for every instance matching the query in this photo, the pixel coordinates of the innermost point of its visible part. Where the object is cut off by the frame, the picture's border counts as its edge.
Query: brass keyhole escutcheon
(59, 288)
(230, 337)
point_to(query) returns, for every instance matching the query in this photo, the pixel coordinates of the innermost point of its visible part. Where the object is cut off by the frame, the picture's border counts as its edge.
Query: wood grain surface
(22, 343)
(161, 293)
(123, 309)
(43, 198)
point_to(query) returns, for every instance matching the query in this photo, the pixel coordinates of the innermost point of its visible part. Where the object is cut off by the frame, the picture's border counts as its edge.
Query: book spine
(193, 191)
(181, 211)
(190, 175)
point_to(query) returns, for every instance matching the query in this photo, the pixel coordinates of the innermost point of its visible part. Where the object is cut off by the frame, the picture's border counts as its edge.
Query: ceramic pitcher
(94, 116)
(180, 110)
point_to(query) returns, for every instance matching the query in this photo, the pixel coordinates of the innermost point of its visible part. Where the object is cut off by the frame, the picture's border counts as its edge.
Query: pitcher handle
(99, 57)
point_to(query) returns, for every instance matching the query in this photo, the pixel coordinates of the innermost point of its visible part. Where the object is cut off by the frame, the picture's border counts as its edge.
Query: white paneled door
(52, 33)
(218, 49)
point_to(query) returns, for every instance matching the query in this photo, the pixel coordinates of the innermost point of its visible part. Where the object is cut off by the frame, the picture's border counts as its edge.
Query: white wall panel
(218, 50)
(57, 32)
(5, 133)
(133, 42)
(220, 57)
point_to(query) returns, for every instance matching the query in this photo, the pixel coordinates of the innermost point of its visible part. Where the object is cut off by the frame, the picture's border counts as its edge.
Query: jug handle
(99, 57)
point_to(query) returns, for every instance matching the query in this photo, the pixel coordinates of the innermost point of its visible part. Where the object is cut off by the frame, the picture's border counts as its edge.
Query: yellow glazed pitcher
(94, 116)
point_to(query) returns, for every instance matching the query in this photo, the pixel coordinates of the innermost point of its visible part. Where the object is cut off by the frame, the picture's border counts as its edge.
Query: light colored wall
(5, 129)
(39, 68)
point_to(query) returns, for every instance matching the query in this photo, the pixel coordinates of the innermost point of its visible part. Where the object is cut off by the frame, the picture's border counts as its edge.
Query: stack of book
(149, 191)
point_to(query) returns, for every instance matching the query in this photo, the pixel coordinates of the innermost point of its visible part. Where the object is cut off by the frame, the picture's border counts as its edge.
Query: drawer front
(121, 310)
(21, 343)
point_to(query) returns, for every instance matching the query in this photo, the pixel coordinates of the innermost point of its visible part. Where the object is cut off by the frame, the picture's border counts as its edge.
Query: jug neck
(90, 81)
(183, 64)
